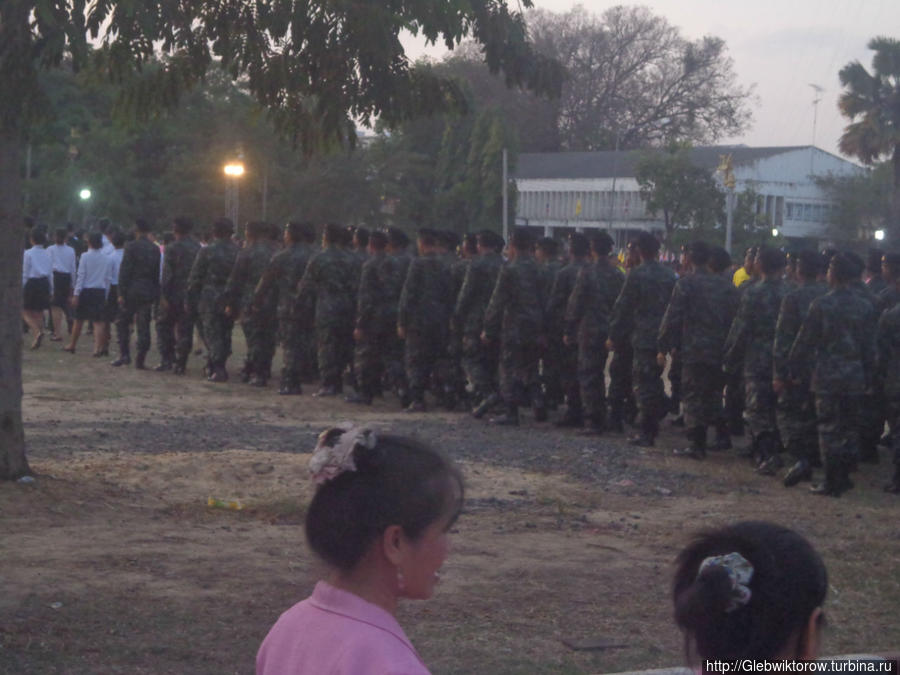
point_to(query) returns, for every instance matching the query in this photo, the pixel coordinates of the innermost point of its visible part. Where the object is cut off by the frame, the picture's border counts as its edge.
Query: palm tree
(872, 103)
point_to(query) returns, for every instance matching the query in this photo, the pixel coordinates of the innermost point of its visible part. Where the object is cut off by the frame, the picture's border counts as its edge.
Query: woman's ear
(812, 635)
(392, 541)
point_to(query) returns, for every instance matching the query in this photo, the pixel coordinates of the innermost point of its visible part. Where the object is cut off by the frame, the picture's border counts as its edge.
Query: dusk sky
(780, 46)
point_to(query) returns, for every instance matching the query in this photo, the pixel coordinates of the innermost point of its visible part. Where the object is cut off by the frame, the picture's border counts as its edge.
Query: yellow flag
(577, 207)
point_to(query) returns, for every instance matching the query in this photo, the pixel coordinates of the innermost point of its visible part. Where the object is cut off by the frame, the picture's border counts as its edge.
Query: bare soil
(112, 562)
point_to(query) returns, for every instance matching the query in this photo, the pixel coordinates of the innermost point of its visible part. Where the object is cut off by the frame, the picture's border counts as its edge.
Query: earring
(401, 582)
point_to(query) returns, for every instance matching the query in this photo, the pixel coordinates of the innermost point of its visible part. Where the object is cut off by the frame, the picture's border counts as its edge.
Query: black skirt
(91, 305)
(62, 288)
(37, 294)
(112, 304)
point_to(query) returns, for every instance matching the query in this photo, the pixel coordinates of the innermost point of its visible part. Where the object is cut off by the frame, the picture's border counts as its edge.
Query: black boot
(572, 418)
(894, 486)
(509, 419)
(596, 425)
(697, 448)
(290, 387)
(219, 374)
(123, 360)
(164, 365)
(616, 422)
(180, 367)
(486, 404)
(259, 381)
(139, 361)
(799, 472)
(837, 481)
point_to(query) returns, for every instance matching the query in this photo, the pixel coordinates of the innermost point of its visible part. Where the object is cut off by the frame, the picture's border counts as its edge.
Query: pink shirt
(334, 632)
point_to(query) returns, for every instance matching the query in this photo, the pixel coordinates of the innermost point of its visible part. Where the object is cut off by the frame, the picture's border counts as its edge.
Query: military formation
(794, 349)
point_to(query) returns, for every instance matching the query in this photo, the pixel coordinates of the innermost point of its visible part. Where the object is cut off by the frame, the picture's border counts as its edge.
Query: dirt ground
(112, 562)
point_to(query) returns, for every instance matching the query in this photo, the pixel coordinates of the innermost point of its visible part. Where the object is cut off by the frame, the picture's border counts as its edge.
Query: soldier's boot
(868, 450)
(894, 486)
(697, 448)
(800, 471)
(327, 390)
(139, 361)
(246, 371)
(219, 374)
(290, 386)
(485, 406)
(631, 410)
(538, 404)
(837, 481)
(417, 405)
(259, 380)
(723, 437)
(573, 417)
(615, 421)
(164, 365)
(508, 419)
(180, 367)
(123, 360)
(449, 398)
(647, 435)
(596, 423)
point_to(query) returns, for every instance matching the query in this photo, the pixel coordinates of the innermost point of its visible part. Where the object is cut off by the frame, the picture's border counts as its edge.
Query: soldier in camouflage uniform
(888, 370)
(587, 325)
(836, 334)
(796, 406)
(876, 282)
(565, 357)
(138, 290)
(175, 325)
(636, 316)
(695, 325)
(479, 361)
(276, 289)
(206, 297)
(546, 253)
(326, 297)
(734, 382)
(423, 319)
(889, 296)
(395, 371)
(455, 388)
(622, 405)
(376, 318)
(749, 350)
(515, 317)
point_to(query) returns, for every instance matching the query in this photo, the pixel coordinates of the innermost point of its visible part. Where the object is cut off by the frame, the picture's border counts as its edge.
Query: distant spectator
(37, 284)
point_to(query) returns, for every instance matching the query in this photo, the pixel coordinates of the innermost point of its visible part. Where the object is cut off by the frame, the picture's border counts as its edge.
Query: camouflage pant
(259, 331)
(892, 412)
(759, 405)
(425, 355)
(734, 401)
(676, 376)
(701, 393)
(139, 313)
(838, 433)
(870, 419)
(334, 351)
(479, 362)
(519, 378)
(592, 375)
(568, 374)
(369, 359)
(217, 332)
(620, 383)
(174, 333)
(796, 414)
(558, 369)
(647, 381)
(294, 351)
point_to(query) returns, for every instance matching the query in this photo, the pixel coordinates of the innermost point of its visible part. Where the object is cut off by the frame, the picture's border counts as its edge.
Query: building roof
(609, 164)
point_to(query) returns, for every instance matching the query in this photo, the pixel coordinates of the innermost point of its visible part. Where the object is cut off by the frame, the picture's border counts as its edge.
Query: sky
(781, 47)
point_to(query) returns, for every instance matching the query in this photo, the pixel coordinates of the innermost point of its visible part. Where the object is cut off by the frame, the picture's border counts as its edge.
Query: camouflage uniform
(696, 324)
(871, 411)
(796, 407)
(139, 286)
(376, 318)
(587, 322)
(734, 384)
(887, 299)
(175, 324)
(206, 294)
(749, 349)
(562, 360)
(276, 289)
(515, 317)
(424, 314)
(888, 370)
(479, 361)
(836, 335)
(327, 295)
(636, 316)
(456, 385)
(552, 353)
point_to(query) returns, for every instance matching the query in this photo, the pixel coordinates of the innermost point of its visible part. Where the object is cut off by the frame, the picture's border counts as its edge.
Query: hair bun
(368, 458)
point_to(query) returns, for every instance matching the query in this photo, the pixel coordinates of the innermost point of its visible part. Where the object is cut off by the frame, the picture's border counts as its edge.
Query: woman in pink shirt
(380, 520)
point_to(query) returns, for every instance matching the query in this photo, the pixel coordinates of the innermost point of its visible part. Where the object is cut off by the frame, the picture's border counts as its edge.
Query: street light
(233, 171)
(85, 194)
(774, 231)
(879, 235)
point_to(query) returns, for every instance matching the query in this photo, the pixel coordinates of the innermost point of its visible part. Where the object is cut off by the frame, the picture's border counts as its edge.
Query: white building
(598, 189)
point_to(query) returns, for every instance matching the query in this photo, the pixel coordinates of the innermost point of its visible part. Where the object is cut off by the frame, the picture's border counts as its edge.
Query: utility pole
(505, 197)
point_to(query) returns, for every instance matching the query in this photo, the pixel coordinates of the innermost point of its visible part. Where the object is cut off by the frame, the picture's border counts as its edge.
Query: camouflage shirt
(640, 306)
(591, 301)
(327, 290)
(794, 308)
(558, 297)
(139, 271)
(427, 294)
(475, 294)
(752, 334)
(515, 312)
(209, 275)
(248, 269)
(837, 333)
(887, 299)
(177, 264)
(279, 280)
(379, 293)
(888, 344)
(698, 318)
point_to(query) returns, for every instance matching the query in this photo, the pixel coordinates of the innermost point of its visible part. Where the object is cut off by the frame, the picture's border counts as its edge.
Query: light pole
(85, 196)
(233, 172)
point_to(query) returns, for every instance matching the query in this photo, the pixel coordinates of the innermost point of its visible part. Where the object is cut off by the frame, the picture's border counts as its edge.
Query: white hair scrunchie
(333, 457)
(740, 571)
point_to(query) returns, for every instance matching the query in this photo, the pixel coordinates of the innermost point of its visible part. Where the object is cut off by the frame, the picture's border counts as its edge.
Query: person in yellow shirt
(744, 273)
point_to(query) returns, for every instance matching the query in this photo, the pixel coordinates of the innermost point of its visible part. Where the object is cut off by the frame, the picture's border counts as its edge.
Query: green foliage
(687, 195)
(863, 201)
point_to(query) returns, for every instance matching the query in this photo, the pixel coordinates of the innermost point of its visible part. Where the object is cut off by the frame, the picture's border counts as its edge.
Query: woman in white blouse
(89, 296)
(37, 285)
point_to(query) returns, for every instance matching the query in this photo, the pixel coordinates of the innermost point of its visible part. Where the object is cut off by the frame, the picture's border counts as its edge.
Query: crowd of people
(797, 348)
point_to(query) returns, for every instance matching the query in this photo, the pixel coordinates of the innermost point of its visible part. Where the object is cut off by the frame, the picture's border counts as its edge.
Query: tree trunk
(12, 434)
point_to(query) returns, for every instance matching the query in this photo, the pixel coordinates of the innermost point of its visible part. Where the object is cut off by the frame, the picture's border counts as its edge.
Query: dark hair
(39, 236)
(579, 246)
(809, 263)
(873, 261)
(859, 265)
(892, 262)
(142, 226)
(401, 481)
(548, 245)
(844, 268)
(182, 225)
(168, 238)
(333, 233)
(398, 238)
(378, 240)
(448, 238)
(789, 582)
(647, 244)
(95, 240)
(60, 234)
(427, 237)
(118, 239)
(470, 243)
(103, 225)
(771, 260)
(601, 243)
(257, 229)
(522, 239)
(700, 252)
(490, 239)
(719, 259)
(223, 228)
(362, 236)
